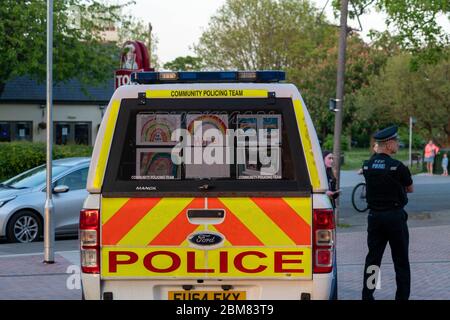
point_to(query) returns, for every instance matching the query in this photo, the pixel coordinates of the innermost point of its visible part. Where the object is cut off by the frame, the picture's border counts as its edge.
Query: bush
(328, 144)
(418, 142)
(17, 157)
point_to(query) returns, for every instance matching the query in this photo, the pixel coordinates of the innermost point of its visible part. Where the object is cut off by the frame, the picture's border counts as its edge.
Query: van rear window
(219, 146)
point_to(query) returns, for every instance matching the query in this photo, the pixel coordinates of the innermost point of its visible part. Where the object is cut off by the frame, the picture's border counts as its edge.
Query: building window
(82, 131)
(72, 132)
(5, 131)
(16, 131)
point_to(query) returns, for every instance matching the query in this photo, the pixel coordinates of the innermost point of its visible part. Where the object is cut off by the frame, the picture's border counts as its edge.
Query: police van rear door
(206, 183)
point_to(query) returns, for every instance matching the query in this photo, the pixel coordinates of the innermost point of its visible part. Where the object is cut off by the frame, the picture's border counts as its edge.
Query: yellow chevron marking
(110, 206)
(302, 206)
(155, 221)
(257, 221)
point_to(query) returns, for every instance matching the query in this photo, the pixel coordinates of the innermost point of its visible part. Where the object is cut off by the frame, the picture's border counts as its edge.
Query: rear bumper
(319, 288)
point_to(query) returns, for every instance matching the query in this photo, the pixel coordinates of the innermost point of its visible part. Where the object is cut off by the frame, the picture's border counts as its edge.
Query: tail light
(90, 240)
(323, 240)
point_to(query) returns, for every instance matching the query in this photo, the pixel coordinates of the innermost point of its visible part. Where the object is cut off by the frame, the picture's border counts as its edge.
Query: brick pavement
(429, 257)
(26, 277)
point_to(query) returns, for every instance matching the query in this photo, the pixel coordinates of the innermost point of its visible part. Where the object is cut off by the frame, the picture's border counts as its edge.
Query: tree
(399, 92)
(261, 34)
(288, 34)
(416, 23)
(317, 82)
(292, 36)
(187, 63)
(79, 48)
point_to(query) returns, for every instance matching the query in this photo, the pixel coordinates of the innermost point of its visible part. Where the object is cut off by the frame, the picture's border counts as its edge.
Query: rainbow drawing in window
(156, 164)
(156, 129)
(208, 121)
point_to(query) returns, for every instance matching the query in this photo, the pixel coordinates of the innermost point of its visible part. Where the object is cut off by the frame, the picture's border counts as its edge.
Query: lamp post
(412, 121)
(340, 98)
(49, 232)
(410, 142)
(150, 28)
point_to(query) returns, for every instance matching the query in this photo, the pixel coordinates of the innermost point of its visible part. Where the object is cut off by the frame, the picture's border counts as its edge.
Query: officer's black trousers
(383, 227)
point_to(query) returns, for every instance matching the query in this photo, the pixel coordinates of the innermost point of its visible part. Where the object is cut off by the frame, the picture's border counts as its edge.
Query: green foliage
(16, 157)
(418, 142)
(355, 157)
(187, 63)
(329, 143)
(261, 34)
(292, 35)
(80, 50)
(384, 82)
(399, 92)
(416, 23)
(317, 81)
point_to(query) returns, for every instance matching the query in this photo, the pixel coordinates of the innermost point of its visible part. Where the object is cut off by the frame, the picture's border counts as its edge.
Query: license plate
(207, 295)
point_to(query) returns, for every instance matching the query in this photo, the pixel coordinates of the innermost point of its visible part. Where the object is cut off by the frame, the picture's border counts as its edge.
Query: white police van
(207, 185)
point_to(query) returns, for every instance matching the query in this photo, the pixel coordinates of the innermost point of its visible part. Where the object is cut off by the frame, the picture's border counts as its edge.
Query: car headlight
(6, 200)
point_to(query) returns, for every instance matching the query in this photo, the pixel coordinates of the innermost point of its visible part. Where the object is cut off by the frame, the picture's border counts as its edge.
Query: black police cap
(386, 134)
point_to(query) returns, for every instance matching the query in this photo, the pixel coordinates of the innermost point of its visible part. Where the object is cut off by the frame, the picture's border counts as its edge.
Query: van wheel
(25, 226)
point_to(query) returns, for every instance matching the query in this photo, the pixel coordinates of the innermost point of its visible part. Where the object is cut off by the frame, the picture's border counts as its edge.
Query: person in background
(375, 149)
(332, 193)
(431, 150)
(444, 165)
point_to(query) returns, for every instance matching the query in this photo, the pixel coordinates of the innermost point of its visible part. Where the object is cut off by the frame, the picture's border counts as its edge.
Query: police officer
(387, 182)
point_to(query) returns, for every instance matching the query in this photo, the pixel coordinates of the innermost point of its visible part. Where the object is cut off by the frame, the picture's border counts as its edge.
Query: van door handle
(206, 213)
(205, 216)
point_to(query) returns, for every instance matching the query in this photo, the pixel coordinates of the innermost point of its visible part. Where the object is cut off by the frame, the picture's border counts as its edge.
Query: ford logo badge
(206, 239)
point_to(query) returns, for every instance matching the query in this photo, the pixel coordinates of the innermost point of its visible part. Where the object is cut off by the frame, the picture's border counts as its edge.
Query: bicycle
(359, 197)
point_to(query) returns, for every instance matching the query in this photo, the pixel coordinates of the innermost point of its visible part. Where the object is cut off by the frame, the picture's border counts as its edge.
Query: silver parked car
(22, 200)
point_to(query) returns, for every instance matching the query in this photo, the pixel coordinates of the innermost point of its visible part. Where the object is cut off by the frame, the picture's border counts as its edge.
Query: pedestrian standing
(387, 182)
(431, 150)
(444, 165)
(332, 192)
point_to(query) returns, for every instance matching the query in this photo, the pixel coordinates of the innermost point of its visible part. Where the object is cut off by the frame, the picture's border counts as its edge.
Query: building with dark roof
(77, 112)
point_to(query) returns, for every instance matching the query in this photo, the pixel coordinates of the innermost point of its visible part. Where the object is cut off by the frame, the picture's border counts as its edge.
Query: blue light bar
(150, 77)
(209, 77)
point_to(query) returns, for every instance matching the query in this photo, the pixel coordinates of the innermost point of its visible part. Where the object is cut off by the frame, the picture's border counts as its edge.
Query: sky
(178, 24)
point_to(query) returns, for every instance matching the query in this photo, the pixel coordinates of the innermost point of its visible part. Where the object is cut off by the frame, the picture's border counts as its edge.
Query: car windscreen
(33, 177)
(206, 146)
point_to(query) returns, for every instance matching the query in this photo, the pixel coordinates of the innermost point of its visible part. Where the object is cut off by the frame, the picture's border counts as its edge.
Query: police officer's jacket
(386, 182)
